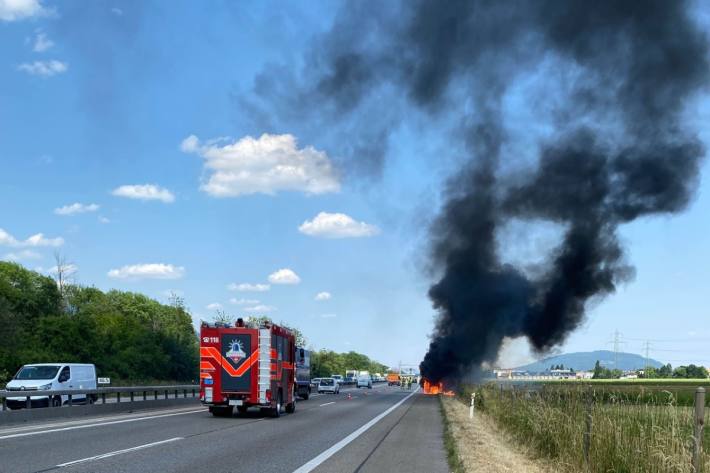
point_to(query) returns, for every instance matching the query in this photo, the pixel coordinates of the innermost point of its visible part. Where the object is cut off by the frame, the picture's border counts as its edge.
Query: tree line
(128, 336)
(327, 362)
(666, 371)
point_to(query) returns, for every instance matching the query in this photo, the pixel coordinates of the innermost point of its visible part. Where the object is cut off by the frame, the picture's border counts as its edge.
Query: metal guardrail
(149, 393)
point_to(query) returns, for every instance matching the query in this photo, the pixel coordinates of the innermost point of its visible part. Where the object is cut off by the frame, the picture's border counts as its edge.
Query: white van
(364, 381)
(52, 377)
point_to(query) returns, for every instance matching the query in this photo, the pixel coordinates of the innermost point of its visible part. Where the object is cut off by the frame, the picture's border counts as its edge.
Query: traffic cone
(350, 396)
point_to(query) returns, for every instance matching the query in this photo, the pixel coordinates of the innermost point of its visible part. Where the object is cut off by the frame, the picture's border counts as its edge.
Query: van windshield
(37, 372)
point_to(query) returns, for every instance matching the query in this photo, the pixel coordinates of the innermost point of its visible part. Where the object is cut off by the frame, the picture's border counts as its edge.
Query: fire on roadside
(435, 388)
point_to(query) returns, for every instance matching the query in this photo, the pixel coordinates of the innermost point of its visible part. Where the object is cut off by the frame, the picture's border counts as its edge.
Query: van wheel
(56, 401)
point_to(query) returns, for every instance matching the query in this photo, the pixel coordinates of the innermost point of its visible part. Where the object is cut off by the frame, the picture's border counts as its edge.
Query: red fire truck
(246, 366)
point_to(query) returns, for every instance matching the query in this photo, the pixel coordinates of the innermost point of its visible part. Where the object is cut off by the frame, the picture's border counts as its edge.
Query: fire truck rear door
(236, 352)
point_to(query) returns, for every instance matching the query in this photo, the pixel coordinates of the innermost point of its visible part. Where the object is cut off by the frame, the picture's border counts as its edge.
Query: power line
(648, 358)
(617, 342)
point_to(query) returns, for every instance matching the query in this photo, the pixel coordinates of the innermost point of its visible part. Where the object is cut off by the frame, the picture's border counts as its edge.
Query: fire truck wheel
(276, 411)
(222, 411)
(291, 408)
(242, 409)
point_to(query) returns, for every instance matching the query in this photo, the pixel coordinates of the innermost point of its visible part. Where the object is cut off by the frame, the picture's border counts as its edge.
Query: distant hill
(584, 361)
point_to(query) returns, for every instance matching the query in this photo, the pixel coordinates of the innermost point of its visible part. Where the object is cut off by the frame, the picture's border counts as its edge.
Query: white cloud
(247, 287)
(76, 208)
(11, 10)
(36, 240)
(42, 43)
(337, 225)
(144, 192)
(323, 296)
(43, 68)
(214, 306)
(260, 308)
(236, 301)
(22, 255)
(40, 240)
(148, 271)
(266, 165)
(284, 276)
(328, 316)
(117, 11)
(191, 144)
(103, 219)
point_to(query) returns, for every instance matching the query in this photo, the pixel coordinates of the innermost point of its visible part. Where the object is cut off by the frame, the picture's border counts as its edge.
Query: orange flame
(436, 388)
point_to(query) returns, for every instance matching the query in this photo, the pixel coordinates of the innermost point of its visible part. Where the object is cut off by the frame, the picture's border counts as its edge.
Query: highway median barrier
(94, 401)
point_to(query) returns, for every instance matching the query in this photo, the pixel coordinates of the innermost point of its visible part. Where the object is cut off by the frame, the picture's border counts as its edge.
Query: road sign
(104, 380)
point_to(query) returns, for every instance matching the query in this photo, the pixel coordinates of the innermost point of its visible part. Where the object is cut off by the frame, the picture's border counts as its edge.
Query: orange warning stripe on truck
(212, 352)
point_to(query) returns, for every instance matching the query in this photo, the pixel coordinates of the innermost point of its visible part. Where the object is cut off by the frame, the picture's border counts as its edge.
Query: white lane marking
(25, 428)
(327, 404)
(100, 424)
(315, 462)
(118, 452)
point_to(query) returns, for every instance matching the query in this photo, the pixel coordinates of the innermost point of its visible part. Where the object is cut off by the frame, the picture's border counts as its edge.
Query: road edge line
(323, 456)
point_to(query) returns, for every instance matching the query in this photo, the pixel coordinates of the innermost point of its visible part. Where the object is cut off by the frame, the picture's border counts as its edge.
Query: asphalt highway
(383, 429)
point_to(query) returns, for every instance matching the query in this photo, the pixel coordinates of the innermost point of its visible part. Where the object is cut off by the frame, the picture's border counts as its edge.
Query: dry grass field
(640, 434)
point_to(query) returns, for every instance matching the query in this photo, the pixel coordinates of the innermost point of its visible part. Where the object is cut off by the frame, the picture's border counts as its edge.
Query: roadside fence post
(145, 395)
(28, 403)
(132, 395)
(71, 403)
(698, 429)
(4, 404)
(103, 398)
(587, 440)
(473, 406)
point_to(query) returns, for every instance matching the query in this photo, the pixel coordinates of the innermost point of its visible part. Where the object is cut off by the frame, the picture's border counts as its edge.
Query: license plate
(235, 402)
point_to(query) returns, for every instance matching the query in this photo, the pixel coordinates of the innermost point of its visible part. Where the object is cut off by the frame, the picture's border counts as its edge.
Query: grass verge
(452, 453)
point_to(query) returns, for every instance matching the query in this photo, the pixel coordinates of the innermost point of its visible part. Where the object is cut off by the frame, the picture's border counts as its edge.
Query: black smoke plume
(611, 78)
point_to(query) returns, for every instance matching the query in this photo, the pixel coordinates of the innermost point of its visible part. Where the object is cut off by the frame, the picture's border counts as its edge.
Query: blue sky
(134, 107)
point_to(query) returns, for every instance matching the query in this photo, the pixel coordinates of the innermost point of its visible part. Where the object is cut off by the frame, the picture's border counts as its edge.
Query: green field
(635, 426)
(655, 391)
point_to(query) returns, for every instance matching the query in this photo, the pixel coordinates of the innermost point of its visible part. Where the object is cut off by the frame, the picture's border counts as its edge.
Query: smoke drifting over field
(612, 79)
